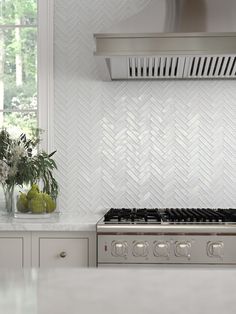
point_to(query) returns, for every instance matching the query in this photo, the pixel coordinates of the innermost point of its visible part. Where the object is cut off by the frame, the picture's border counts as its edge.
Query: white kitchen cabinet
(63, 249)
(61, 252)
(47, 249)
(14, 250)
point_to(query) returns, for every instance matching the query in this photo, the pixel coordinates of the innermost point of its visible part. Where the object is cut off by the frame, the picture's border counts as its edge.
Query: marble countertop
(60, 222)
(128, 291)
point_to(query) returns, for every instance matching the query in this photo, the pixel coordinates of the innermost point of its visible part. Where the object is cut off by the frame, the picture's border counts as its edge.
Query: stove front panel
(166, 249)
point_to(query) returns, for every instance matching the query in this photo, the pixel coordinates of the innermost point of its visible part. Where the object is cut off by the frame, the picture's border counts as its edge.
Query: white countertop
(60, 222)
(116, 291)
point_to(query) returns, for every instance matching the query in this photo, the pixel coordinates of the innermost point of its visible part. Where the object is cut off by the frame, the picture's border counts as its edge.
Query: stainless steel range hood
(171, 39)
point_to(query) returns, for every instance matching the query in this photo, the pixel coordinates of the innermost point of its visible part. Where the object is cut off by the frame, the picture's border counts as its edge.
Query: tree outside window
(18, 66)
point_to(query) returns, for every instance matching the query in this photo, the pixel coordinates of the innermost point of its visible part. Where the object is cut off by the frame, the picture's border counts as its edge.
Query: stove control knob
(215, 249)
(161, 249)
(140, 248)
(182, 249)
(119, 248)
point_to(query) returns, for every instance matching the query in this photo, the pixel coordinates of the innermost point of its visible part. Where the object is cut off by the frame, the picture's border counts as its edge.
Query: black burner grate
(169, 215)
(127, 215)
(194, 215)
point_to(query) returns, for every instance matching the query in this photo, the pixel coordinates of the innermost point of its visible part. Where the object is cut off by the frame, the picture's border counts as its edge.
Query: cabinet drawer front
(11, 252)
(63, 252)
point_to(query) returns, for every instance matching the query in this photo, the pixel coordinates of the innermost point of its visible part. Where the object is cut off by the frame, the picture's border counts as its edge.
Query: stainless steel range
(167, 236)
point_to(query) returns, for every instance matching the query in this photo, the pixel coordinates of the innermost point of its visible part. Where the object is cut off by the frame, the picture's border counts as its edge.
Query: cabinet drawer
(11, 252)
(63, 252)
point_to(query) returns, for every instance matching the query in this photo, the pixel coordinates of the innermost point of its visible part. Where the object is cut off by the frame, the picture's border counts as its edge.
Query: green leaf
(50, 155)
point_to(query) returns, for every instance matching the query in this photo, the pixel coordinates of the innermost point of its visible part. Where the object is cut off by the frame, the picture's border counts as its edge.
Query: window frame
(45, 60)
(45, 71)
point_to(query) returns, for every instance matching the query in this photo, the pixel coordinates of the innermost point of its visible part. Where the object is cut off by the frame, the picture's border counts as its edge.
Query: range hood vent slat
(232, 72)
(201, 65)
(219, 65)
(223, 66)
(229, 66)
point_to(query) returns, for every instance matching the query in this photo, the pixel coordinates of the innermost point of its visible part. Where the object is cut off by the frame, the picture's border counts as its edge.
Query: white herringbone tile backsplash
(134, 144)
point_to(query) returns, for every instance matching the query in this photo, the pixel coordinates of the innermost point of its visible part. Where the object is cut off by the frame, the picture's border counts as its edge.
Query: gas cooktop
(167, 235)
(169, 216)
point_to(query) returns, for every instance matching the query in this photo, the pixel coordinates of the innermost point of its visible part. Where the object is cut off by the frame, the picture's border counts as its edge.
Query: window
(26, 61)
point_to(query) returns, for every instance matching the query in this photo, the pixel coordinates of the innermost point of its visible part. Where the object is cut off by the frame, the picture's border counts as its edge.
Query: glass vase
(9, 197)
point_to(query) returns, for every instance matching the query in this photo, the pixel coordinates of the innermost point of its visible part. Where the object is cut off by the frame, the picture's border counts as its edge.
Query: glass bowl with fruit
(34, 203)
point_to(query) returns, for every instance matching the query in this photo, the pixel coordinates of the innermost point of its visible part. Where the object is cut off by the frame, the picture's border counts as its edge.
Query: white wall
(134, 144)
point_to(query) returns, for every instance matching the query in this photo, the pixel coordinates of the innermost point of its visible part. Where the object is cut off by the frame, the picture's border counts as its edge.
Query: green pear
(22, 203)
(35, 186)
(50, 203)
(38, 204)
(33, 191)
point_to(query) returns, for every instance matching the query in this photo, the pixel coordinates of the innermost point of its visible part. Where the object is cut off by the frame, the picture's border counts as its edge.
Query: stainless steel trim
(164, 35)
(167, 233)
(163, 229)
(164, 265)
(165, 45)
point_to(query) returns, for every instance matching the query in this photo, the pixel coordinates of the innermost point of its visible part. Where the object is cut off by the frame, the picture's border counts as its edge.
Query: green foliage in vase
(21, 163)
(42, 168)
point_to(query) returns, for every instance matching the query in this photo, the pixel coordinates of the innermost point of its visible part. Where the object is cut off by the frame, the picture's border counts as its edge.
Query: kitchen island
(102, 291)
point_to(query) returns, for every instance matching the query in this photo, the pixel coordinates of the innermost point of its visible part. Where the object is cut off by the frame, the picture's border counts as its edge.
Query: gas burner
(132, 215)
(195, 215)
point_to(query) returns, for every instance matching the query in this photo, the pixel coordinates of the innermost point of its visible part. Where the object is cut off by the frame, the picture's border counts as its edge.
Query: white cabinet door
(63, 252)
(11, 252)
(63, 249)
